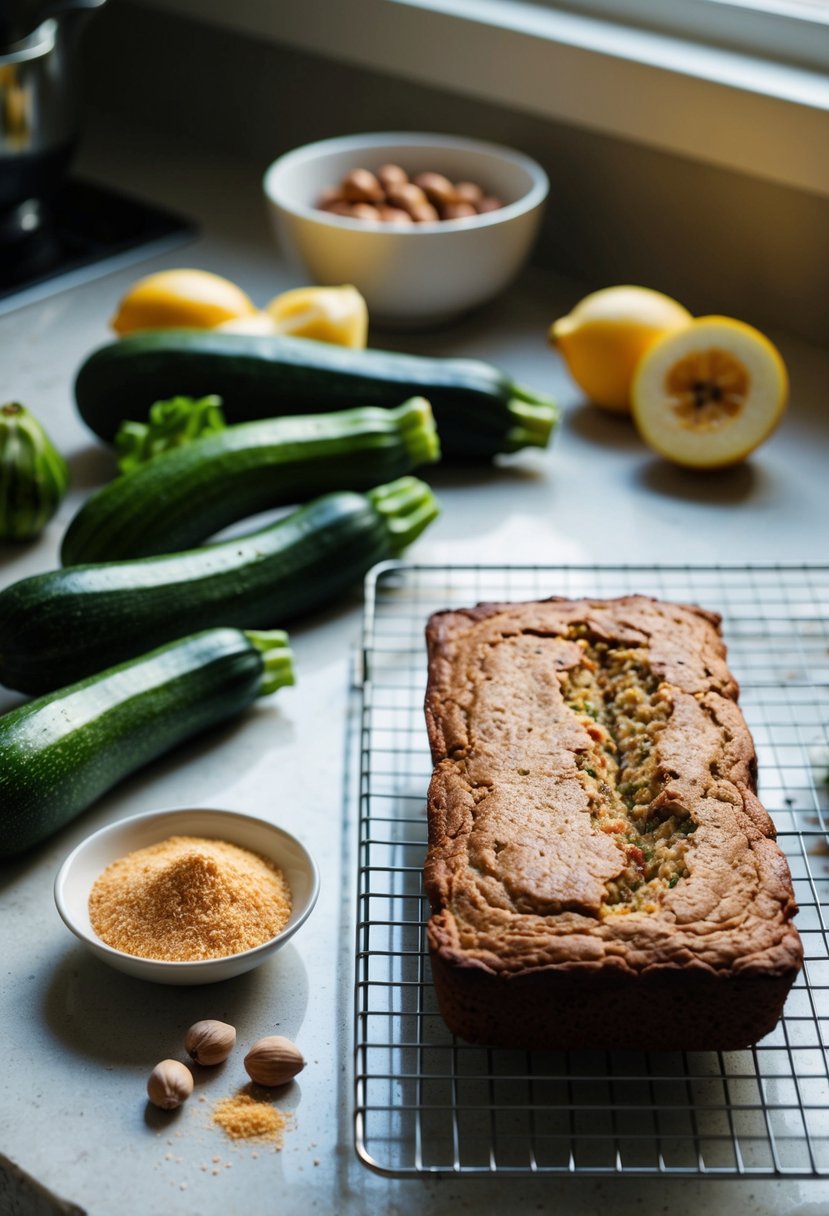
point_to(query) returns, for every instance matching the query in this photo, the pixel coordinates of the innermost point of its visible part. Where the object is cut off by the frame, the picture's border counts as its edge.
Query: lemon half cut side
(708, 395)
(328, 314)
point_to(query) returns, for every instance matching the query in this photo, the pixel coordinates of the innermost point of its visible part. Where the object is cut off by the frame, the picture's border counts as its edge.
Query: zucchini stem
(277, 658)
(534, 417)
(416, 424)
(407, 506)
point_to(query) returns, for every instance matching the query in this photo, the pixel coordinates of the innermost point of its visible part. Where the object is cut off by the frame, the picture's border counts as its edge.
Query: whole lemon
(184, 297)
(603, 339)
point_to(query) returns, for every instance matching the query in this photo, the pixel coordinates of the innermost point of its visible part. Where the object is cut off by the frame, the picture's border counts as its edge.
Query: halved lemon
(180, 298)
(256, 323)
(328, 314)
(708, 395)
(608, 332)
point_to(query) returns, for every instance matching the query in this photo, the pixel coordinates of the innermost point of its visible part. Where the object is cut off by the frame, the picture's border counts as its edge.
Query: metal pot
(39, 111)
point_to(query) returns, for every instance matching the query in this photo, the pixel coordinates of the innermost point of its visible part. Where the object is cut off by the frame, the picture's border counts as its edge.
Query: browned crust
(516, 874)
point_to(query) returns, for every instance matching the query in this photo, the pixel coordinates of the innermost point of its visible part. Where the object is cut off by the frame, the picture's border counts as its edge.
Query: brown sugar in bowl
(92, 856)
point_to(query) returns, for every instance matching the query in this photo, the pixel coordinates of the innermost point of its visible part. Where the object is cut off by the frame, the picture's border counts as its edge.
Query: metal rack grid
(426, 1102)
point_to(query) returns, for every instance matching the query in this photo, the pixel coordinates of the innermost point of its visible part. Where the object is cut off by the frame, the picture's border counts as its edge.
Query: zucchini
(33, 475)
(64, 750)
(479, 411)
(181, 497)
(63, 625)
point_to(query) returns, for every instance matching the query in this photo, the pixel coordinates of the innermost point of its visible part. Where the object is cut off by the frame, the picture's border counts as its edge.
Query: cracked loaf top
(593, 798)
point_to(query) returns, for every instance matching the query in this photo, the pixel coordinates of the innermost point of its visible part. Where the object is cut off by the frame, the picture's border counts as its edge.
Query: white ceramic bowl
(421, 274)
(84, 864)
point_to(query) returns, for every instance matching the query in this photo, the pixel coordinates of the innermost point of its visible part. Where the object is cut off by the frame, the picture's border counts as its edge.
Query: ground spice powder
(189, 898)
(249, 1116)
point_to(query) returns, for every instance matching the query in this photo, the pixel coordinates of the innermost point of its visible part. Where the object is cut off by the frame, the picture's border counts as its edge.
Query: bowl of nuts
(426, 227)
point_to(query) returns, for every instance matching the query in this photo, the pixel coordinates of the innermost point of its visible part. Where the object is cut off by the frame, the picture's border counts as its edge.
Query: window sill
(720, 107)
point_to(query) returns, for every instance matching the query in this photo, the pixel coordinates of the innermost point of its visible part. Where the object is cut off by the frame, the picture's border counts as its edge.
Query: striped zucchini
(63, 625)
(62, 751)
(182, 496)
(33, 475)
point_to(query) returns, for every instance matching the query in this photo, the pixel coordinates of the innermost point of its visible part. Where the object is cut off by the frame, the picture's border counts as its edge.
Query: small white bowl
(421, 274)
(86, 862)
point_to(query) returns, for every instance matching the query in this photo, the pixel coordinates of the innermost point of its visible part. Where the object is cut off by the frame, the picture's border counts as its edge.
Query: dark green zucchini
(63, 625)
(181, 497)
(479, 411)
(63, 751)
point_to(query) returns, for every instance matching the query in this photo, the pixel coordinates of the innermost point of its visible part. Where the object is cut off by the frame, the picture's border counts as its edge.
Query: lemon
(256, 323)
(708, 395)
(180, 298)
(329, 314)
(607, 333)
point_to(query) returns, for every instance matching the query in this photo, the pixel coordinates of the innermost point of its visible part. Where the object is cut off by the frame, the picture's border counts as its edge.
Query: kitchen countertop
(80, 1039)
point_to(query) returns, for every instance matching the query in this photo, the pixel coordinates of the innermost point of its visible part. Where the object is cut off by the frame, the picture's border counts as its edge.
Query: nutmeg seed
(210, 1042)
(170, 1084)
(273, 1060)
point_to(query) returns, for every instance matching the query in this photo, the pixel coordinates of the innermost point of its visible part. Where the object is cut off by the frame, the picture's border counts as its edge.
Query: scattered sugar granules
(247, 1115)
(189, 898)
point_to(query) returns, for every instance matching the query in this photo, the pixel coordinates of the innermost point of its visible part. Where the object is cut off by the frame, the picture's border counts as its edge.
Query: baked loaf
(600, 870)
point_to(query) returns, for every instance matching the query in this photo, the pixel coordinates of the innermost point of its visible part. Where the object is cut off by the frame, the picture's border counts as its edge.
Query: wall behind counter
(619, 212)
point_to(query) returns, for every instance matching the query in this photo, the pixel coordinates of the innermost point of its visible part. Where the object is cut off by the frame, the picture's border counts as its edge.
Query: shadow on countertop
(117, 1020)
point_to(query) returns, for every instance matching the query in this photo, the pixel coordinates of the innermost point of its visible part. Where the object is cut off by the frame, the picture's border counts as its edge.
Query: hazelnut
(437, 188)
(364, 211)
(210, 1042)
(394, 215)
(489, 203)
(423, 213)
(273, 1060)
(457, 211)
(391, 175)
(468, 192)
(407, 195)
(361, 186)
(170, 1084)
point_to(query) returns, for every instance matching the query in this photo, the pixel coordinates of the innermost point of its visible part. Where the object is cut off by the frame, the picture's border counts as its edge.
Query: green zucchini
(64, 750)
(63, 625)
(181, 497)
(479, 411)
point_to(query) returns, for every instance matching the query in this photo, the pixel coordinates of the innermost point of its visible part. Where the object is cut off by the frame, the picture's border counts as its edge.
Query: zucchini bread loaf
(600, 870)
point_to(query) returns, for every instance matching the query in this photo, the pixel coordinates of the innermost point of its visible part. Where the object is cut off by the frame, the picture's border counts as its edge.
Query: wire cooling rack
(426, 1102)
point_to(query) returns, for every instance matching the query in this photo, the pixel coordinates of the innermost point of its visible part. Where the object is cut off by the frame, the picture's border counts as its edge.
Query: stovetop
(87, 231)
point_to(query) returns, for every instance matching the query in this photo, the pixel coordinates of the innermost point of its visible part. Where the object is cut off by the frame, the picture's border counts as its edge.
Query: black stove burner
(85, 231)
